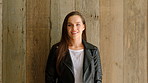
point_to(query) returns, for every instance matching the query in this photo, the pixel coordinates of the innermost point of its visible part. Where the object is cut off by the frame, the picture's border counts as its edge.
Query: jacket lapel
(68, 62)
(87, 60)
(87, 56)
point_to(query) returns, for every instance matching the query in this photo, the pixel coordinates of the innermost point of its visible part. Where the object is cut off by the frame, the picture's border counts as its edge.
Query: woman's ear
(84, 27)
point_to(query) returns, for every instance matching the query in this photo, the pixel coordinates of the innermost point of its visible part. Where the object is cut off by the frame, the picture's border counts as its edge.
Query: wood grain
(38, 42)
(90, 11)
(111, 40)
(0, 41)
(62, 7)
(13, 42)
(135, 41)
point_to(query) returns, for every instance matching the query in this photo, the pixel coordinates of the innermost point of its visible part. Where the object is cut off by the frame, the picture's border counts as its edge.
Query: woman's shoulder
(89, 45)
(55, 46)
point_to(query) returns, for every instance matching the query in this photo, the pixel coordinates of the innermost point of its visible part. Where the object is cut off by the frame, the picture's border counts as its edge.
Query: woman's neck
(76, 44)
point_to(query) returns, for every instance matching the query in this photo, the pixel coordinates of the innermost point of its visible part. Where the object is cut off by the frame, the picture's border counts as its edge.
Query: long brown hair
(65, 39)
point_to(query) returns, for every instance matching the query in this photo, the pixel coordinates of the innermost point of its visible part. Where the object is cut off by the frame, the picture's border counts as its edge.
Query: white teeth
(74, 32)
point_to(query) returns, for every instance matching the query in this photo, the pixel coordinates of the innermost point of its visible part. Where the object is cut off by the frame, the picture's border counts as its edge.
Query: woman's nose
(74, 27)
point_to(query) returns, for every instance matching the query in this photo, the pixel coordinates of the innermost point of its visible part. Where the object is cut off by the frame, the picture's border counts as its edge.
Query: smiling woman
(75, 27)
(73, 59)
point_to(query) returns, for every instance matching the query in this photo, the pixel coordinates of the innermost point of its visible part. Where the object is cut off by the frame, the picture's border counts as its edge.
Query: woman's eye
(69, 25)
(78, 24)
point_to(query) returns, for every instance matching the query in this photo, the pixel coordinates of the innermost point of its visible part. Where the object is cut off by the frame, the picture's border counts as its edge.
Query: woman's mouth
(74, 32)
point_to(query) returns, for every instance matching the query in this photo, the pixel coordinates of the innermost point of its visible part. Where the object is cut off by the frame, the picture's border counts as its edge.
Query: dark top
(92, 72)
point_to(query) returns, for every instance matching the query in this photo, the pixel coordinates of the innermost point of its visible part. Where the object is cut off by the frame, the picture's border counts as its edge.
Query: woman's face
(75, 27)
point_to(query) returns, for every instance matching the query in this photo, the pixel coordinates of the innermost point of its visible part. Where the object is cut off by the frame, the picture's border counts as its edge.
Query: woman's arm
(98, 69)
(50, 72)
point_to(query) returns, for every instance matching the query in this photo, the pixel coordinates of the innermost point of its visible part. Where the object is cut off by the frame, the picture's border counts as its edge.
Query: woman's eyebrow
(78, 22)
(71, 23)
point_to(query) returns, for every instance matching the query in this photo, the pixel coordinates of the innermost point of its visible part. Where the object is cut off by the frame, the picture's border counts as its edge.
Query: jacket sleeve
(50, 71)
(98, 69)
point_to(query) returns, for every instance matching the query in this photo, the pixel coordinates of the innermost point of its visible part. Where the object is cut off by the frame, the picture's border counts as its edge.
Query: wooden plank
(135, 41)
(0, 43)
(62, 7)
(90, 11)
(13, 50)
(38, 40)
(116, 24)
(111, 40)
(105, 40)
(142, 44)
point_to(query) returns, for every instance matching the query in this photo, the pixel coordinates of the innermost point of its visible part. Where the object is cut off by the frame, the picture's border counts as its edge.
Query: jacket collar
(87, 56)
(87, 45)
(86, 61)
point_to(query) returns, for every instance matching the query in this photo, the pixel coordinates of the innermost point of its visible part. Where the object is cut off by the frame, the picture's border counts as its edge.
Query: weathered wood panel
(90, 11)
(135, 41)
(111, 40)
(59, 9)
(0, 41)
(117, 27)
(14, 47)
(38, 31)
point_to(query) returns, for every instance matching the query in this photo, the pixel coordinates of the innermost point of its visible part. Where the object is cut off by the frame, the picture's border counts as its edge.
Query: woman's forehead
(74, 19)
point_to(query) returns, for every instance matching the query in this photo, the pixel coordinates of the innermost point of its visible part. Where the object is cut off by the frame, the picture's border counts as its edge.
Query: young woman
(73, 59)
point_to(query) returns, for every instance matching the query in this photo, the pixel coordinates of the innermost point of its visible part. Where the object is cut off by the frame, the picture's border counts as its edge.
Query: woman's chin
(75, 37)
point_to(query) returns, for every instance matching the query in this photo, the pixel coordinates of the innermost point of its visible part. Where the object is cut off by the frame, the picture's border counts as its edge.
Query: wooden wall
(117, 27)
(111, 40)
(26, 40)
(0, 41)
(123, 40)
(135, 41)
(14, 41)
(38, 39)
